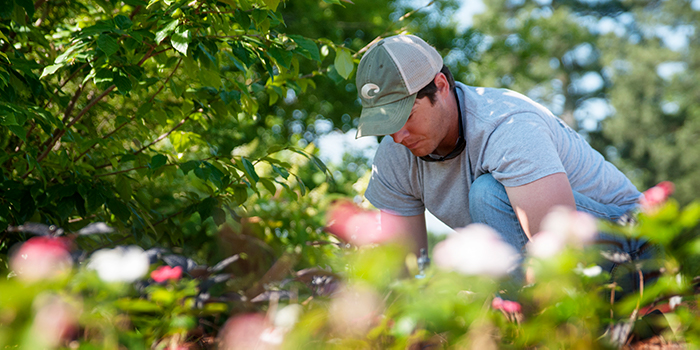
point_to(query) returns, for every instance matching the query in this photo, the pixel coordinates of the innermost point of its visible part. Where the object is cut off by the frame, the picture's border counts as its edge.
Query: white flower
(575, 226)
(588, 271)
(476, 250)
(121, 264)
(675, 301)
(546, 244)
(287, 316)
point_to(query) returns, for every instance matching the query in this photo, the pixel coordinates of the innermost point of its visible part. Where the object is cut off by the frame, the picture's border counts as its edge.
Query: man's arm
(531, 202)
(412, 227)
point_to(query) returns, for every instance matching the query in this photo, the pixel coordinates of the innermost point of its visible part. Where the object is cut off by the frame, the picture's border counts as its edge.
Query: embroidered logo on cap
(369, 88)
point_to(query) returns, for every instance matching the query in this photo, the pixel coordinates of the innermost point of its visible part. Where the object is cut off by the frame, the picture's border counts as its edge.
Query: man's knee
(486, 194)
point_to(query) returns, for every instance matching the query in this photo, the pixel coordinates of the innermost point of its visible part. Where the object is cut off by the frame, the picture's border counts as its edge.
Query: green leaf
(281, 56)
(343, 62)
(123, 186)
(269, 185)
(157, 161)
(107, 44)
(210, 78)
(281, 171)
(319, 163)
(250, 170)
(19, 131)
(302, 187)
(94, 200)
(240, 194)
(137, 305)
(219, 216)
(307, 47)
(206, 207)
(48, 70)
(9, 120)
(272, 4)
(177, 89)
(119, 209)
(104, 77)
(123, 22)
(165, 31)
(180, 40)
(28, 6)
(122, 82)
(186, 167)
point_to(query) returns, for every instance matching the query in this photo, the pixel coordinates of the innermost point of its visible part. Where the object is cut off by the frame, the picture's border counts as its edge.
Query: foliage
(147, 115)
(356, 305)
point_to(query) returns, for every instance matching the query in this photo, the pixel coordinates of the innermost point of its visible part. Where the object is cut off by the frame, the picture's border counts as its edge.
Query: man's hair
(430, 89)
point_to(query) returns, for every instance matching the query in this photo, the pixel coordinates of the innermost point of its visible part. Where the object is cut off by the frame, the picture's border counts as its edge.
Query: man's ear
(441, 83)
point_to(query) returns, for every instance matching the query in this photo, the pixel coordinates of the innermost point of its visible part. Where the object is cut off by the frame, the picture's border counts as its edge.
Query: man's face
(426, 127)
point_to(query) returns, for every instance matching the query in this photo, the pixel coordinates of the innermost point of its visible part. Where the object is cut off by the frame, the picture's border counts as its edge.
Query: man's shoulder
(490, 104)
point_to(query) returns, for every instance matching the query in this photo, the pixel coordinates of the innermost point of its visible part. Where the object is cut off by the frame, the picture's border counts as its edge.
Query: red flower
(165, 273)
(657, 195)
(41, 258)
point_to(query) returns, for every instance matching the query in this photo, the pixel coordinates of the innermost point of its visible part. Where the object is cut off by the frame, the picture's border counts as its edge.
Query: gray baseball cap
(388, 77)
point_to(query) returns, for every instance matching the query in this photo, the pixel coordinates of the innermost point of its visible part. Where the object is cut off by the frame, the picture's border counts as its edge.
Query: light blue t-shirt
(508, 135)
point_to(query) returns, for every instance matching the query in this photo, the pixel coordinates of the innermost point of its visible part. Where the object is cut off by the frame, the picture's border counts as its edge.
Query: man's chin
(419, 152)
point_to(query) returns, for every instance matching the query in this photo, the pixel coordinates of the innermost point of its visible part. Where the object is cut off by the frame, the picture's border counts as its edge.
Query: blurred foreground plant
(359, 295)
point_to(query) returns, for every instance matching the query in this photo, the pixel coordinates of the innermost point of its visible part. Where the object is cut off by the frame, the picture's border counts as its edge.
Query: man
(474, 154)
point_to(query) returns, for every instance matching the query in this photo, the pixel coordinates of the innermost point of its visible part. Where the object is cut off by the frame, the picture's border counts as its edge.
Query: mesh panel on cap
(417, 61)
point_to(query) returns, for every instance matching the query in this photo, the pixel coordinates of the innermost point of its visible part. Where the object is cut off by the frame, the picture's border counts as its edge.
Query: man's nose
(400, 135)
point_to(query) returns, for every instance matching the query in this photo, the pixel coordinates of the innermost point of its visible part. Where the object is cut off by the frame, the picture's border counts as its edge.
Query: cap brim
(386, 119)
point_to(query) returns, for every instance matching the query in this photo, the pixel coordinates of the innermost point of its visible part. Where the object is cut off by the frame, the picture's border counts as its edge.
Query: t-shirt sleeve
(521, 150)
(394, 183)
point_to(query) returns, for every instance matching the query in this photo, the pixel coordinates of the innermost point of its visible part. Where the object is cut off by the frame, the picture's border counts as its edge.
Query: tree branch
(161, 137)
(126, 170)
(60, 133)
(75, 120)
(134, 117)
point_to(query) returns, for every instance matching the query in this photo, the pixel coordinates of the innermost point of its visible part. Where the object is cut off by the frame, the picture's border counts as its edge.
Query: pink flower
(497, 303)
(247, 332)
(657, 195)
(165, 273)
(562, 226)
(354, 310)
(55, 320)
(360, 227)
(506, 305)
(42, 258)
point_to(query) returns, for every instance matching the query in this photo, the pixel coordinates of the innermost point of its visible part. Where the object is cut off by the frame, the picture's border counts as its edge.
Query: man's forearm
(411, 229)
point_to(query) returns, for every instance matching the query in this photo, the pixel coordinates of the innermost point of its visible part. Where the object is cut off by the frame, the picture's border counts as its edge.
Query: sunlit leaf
(165, 31)
(343, 62)
(48, 70)
(180, 40)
